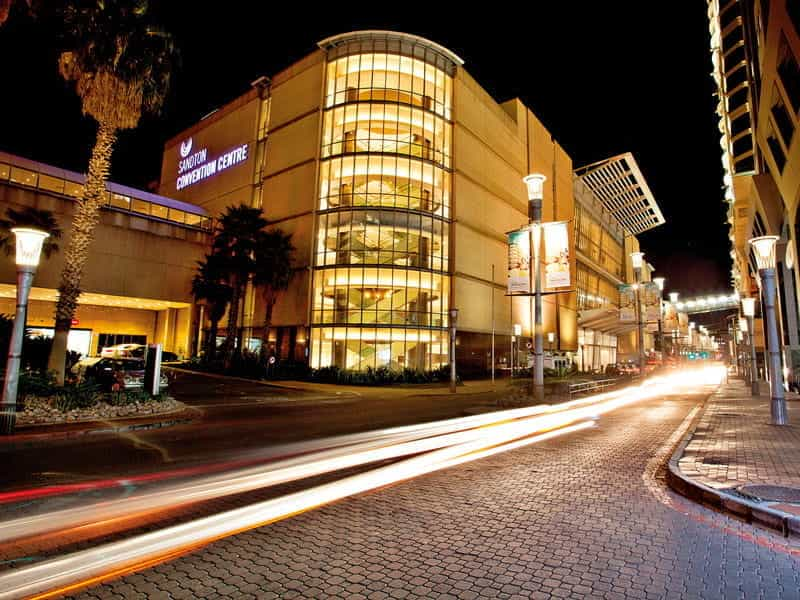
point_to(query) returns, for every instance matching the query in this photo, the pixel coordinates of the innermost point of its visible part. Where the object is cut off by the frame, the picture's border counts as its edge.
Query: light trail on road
(431, 447)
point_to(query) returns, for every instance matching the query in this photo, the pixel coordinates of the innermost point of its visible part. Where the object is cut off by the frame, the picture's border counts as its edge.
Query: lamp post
(659, 281)
(749, 310)
(551, 337)
(535, 185)
(764, 250)
(673, 299)
(748, 368)
(28, 251)
(637, 259)
(453, 321)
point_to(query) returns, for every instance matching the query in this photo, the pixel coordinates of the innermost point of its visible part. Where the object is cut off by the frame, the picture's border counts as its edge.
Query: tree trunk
(233, 322)
(270, 302)
(211, 342)
(84, 221)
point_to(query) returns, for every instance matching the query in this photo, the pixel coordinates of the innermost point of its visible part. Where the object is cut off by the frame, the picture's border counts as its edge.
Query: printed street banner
(519, 262)
(627, 304)
(651, 299)
(670, 317)
(556, 254)
(683, 323)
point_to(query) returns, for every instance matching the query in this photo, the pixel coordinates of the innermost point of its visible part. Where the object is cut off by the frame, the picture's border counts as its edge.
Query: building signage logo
(194, 167)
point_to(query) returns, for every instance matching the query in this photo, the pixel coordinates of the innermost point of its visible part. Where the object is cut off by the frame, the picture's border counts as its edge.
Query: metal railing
(586, 387)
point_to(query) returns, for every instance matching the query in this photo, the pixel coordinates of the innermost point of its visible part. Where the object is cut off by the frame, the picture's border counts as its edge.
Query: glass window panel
(157, 210)
(23, 176)
(52, 184)
(5, 170)
(140, 206)
(120, 201)
(177, 215)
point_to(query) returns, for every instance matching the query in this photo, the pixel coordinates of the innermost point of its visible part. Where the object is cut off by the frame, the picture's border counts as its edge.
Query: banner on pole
(651, 299)
(556, 255)
(683, 323)
(627, 304)
(670, 317)
(519, 262)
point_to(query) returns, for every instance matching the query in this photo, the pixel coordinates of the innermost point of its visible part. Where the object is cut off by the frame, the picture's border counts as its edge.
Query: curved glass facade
(381, 284)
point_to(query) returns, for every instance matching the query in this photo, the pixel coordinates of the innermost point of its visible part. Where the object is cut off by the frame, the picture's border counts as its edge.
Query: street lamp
(453, 321)
(28, 251)
(748, 368)
(535, 185)
(749, 310)
(551, 337)
(659, 281)
(764, 250)
(637, 259)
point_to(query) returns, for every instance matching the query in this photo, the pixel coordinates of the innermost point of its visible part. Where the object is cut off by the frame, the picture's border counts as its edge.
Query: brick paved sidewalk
(734, 444)
(736, 461)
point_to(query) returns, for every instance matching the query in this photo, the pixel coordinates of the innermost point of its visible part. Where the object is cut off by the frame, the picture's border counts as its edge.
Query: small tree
(35, 218)
(120, 65)
(209, 284)
(273, 273)
(235, 246)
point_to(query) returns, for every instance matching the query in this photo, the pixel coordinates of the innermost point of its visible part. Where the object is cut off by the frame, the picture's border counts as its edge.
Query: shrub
(81, 395)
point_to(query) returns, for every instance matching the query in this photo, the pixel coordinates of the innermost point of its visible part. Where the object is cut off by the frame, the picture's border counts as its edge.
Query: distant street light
(749, 310)
(764, 250)
(453, 321)
(28, 251)
(551, 337)
(637, 259)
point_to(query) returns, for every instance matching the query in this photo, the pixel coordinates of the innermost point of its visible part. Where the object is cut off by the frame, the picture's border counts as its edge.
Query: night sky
(604, 78)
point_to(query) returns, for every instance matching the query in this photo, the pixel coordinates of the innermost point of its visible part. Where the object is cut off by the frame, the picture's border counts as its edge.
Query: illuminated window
(157, 210)
(51, 184)
(5, 170)
(23, 176)
(120, 201)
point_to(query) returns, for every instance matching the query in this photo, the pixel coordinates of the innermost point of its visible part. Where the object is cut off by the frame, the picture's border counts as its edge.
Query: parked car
(119, 351)
(127, 372)
(134, 351)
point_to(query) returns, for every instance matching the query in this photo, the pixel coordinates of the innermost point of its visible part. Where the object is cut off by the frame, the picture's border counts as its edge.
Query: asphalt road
(231, 418)
(585, 515)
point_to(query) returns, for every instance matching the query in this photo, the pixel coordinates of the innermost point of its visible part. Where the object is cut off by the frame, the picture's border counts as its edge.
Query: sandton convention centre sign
(196, 166)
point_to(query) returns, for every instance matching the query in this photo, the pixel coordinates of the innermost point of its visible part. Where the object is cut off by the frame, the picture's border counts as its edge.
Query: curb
(750, 511)
(29, 435)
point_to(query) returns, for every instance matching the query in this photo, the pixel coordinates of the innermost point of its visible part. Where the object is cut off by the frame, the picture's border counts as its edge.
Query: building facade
(755, 52)
(398, 177)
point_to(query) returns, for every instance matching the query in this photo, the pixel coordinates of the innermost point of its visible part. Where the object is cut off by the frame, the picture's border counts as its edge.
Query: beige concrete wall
(130, 256)
(231, 126)
(495, 146)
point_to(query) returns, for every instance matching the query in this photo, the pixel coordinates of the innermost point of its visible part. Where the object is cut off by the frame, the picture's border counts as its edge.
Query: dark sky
(604, 77)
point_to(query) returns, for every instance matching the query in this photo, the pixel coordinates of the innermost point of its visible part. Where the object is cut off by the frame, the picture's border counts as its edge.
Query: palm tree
(5, 8)
(28, 216)
(209, 284)
(120, 66)
(236, 242)
(273, 273)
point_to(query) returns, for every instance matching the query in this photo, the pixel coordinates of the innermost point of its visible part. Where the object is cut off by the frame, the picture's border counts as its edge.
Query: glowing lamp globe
(764, 249)
(29, 245)
(535, 184)
(637, 258)
(659, 281)
(673, 297)
(749, 307)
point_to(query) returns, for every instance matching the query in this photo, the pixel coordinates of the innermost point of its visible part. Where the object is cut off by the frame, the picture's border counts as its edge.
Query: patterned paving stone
(573, 517)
